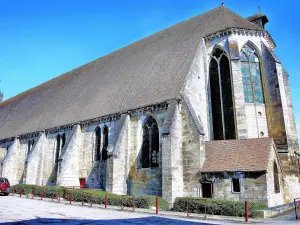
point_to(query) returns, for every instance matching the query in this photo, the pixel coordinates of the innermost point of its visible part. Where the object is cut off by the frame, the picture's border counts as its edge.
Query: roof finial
(222, 4)
(259, 8)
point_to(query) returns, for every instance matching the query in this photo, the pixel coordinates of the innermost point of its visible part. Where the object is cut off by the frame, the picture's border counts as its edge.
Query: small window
(276, 178)
(236, 185)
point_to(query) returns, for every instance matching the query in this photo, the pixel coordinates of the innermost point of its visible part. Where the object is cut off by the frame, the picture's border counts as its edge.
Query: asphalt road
(14, 210)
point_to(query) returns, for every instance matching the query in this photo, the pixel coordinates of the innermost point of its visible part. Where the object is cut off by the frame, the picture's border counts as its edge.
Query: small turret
(259, 19)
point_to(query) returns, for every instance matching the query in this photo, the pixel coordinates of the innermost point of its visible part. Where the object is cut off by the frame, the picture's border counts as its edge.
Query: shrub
(217, 207)
(98, 196)
(48, 191)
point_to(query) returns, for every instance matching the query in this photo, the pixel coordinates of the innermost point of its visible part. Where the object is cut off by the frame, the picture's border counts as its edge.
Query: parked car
(4, 186)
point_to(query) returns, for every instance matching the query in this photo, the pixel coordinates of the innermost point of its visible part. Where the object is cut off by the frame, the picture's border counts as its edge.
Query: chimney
(259, 19)
(1, 96)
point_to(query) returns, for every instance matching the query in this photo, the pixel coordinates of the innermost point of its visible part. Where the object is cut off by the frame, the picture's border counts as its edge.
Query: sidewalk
(169, 214)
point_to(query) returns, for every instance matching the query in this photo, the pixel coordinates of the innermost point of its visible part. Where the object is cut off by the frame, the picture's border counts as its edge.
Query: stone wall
(253, 186)
(293, 143)
(35, 162)
(13, 163)
(273, 197)
(143, 181)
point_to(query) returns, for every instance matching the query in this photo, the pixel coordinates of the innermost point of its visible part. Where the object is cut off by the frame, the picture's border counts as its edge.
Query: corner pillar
(172, 165)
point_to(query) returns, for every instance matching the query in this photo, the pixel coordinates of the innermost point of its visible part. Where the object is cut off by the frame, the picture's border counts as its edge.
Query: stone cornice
(242, 31)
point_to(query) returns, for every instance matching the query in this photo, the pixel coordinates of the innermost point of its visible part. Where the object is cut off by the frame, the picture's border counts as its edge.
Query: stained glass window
(251, 73)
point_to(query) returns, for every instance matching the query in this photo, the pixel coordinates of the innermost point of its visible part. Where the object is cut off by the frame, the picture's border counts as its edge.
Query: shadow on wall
(146, 220)
(52, 180)
(144, 181)
(98, 175)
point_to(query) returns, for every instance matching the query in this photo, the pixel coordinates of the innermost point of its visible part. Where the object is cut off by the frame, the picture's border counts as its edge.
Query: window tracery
(221, 96)
(150, 146)
(251, 73)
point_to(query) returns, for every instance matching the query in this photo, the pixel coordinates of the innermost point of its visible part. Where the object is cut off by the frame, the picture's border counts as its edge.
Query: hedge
(98, 196)
(217, 207)
(27, 189)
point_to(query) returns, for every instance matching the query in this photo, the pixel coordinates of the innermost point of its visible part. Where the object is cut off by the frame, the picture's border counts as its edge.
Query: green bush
(217, 207)
(98, 196)
(47, 190)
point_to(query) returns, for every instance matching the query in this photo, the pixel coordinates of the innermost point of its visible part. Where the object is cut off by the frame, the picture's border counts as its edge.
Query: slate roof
(146, 72)
(257, 16)
(237, 155)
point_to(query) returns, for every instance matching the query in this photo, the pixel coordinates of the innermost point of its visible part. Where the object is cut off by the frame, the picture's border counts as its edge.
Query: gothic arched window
(105, 143)
(251, 72)
(276, 178)
(30, 146)
(63, 140)
(150, 146)
(97, 143)
(57, 148)
(221, 96)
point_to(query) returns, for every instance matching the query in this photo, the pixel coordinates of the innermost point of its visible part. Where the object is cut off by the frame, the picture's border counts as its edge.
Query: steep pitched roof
(149, 71)
(237, 155)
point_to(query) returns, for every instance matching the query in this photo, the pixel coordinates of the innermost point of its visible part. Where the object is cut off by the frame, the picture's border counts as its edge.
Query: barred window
(251, 73)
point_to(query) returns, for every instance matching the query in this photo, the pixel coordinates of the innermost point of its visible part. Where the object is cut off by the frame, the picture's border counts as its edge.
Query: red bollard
(33, 192)
(91, 201)
(156, 205)
(42, 194)
(105, 201)
(21, 191)
(246, 211)
(71, 197)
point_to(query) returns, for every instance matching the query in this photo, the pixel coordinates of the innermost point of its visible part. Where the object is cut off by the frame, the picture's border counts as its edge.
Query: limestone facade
(184, 124)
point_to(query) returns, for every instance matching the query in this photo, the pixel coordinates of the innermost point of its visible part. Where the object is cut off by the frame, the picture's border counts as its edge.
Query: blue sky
(40, 40)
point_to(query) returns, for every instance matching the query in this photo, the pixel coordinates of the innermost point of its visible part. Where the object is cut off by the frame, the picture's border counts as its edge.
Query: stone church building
(202, 108)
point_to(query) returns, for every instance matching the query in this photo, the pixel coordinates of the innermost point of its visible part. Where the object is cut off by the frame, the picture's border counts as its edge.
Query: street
(14, 210)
